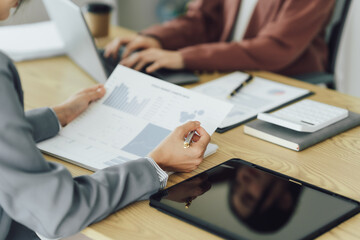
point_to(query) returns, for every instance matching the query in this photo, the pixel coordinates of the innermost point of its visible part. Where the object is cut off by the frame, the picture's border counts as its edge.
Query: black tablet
(240, 200)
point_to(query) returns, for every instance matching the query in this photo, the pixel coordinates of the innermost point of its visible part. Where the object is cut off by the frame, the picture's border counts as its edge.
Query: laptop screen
(79, 43)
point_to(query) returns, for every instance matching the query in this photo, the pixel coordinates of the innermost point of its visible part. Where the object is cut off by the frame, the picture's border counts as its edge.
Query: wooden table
(333, 164)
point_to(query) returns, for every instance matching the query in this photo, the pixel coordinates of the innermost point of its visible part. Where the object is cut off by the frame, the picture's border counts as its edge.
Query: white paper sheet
(31, 41)
(135, 115)
(260, 95)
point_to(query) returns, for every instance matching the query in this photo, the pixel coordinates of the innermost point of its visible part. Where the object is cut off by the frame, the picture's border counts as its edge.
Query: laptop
(81, 48)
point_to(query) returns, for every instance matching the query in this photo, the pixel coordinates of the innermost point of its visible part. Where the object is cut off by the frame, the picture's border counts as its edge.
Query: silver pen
(188, 139)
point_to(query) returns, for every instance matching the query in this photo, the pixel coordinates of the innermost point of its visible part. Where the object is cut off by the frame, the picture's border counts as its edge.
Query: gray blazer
(43, 196)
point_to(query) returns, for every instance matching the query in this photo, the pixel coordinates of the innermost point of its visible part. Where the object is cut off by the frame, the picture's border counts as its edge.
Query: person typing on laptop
(41, 196)
(282, 36)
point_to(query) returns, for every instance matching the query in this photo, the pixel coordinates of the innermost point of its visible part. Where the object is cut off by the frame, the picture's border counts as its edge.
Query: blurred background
(132, 14)
(140, 14)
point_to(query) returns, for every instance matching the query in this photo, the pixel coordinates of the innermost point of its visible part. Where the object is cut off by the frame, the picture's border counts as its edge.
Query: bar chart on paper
(158, 102)
(119, 99)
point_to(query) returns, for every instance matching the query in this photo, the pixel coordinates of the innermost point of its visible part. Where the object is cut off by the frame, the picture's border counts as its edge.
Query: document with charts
(261, 95)
(136, 114)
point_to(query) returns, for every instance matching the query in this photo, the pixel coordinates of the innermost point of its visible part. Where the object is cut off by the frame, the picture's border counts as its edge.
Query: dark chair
(333, 37)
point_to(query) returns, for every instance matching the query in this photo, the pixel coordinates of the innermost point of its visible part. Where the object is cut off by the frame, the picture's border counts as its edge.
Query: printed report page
(136, 114)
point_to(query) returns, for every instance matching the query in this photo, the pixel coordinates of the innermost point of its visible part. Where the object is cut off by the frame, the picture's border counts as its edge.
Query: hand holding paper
(136, 114)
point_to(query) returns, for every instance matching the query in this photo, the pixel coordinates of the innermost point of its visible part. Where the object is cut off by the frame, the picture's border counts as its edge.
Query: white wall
(347, 70)
(137, 14)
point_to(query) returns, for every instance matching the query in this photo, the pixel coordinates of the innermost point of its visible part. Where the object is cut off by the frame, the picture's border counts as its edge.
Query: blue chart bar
(119, 99)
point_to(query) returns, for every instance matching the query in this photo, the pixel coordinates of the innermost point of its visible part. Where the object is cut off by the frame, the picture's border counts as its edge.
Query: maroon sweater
(283, 36)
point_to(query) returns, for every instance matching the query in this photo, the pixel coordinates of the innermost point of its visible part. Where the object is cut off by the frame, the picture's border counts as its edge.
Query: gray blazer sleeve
(44, 123)
(43, 196)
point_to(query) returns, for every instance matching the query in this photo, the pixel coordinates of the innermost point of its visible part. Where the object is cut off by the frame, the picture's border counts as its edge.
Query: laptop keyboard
(172, 76)
(108, 63)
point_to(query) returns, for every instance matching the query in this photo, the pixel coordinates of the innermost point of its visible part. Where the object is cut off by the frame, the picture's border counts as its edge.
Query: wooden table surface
(333, 164)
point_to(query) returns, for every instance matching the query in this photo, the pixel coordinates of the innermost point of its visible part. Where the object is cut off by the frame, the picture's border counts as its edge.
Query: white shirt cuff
(163, 176)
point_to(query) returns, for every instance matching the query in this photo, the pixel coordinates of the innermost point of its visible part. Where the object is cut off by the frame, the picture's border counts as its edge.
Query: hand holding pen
(171, 155)
(188, 139)
(237, 89)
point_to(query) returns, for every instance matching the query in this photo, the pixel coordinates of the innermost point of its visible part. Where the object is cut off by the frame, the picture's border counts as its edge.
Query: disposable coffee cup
(97, 16)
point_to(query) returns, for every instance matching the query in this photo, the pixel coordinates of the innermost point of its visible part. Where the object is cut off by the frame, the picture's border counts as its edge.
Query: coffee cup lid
(98, 8)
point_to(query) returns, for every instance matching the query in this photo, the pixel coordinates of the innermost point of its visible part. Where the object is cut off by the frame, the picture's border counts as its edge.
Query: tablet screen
(241, 200)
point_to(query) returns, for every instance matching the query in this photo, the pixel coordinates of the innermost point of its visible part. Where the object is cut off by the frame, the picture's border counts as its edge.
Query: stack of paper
(31, 41)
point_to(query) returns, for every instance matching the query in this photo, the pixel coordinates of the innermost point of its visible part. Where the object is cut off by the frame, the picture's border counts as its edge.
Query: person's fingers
(140, 65)
(125, 42)
(131, 47)
(93, 88)
(112, 48)
(153, 67)
(198, 148)
(165, 59)
(101, 89)
(114, 53)
(108, 50)
(144, 58)
(95, 94)
(130, 61)
(195, 138)
(184, 129)
(204, 137)
(117, 46)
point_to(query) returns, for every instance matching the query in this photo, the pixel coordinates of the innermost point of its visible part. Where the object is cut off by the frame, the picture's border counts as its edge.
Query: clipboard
(261, 95)
(222, 130)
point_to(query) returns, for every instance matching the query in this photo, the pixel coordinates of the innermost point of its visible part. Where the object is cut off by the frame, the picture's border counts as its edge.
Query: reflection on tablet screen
(237, 200)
